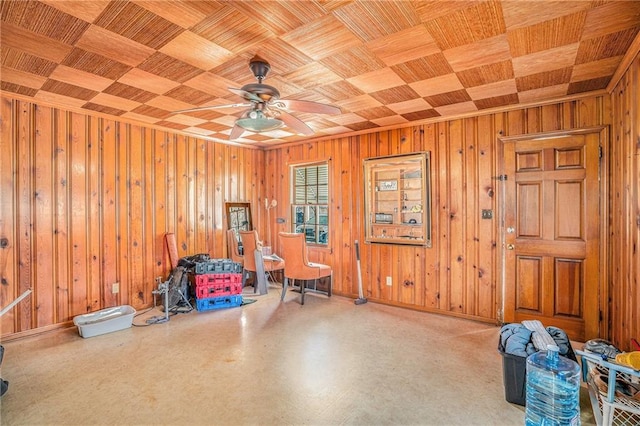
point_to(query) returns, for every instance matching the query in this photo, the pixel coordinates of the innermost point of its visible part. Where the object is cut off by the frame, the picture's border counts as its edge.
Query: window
(310, 202)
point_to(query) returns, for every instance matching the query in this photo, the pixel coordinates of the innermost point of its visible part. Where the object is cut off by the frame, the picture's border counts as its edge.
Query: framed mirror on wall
(239, 219)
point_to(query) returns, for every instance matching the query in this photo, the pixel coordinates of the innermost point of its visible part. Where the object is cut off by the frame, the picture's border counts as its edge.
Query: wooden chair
(297, 266)
(254, 262)
(232, 247)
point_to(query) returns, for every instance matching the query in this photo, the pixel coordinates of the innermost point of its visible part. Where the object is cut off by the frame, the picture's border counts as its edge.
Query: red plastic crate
(209, 279)
(218, 289)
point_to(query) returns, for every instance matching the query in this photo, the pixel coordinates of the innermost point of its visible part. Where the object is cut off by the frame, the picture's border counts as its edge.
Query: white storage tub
(105, 321)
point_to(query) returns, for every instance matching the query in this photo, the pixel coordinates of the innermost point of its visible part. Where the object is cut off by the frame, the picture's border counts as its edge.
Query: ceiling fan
(266, 110)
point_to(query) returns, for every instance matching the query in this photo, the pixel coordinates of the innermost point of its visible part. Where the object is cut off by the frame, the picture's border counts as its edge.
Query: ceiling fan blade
(212, 107)
(247, 95)
(236, 132)
(306, 106)
(295, 123)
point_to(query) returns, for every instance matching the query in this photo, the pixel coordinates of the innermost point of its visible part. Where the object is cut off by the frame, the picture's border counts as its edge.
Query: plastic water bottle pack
(552, 389)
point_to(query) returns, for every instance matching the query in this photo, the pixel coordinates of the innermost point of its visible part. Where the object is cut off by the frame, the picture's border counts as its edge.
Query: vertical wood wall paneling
(122, 206)
(221, 177)
(432, 258)
(156, 202)
(181, 195)
(62, 257)
(86, 203)
(441, 234)
(136, 216)
(23, 213)
(353, 204)
(625, 210)
(78, 202)
(42, 226)
(486, 234)
(471, 216)
(367, 148)
(172, 202)
(171, 186)
(412, 140)
(94, 218)
(216, 219)
(499, 124)
(192, 197)
(201, 198)
(8, 259)
(457, 228)
(460, 273)
(634, 235)
(341, 223)
(148, 230)
(619, 158)
(109, 212)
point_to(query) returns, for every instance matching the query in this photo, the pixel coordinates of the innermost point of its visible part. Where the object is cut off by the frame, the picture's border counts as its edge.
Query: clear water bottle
(552, 389)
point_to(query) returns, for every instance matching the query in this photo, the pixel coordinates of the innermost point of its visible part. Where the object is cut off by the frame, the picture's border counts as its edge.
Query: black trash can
(514, 376)
(514, 368)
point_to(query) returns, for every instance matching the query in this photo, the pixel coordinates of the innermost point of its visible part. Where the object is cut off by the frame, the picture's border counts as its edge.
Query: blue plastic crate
(211, 303)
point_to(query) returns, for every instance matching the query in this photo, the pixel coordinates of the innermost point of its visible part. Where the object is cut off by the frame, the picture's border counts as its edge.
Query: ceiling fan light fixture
(256, 121)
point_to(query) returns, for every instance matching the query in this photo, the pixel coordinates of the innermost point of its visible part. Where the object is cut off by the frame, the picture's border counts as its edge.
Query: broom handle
(12, 304)
(360, 295)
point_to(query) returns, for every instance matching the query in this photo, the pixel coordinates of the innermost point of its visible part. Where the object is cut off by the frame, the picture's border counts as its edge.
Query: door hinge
(600, 151)
(502, 178)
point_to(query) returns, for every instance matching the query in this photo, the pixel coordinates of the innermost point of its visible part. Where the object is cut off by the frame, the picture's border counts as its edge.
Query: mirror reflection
(239, 219)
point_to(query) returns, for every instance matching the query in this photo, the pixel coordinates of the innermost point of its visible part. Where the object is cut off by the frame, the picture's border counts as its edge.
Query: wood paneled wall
(459, 275)
(85, 202)
(624, 279)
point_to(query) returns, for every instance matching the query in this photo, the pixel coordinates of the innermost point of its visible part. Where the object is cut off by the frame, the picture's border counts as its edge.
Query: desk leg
(285, 284)
(260, 275)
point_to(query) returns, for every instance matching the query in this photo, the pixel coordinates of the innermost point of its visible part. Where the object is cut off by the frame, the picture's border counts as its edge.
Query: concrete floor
(328, 362)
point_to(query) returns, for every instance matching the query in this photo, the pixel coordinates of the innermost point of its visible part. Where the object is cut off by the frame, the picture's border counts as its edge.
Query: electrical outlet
(115, 288)
(389, 281)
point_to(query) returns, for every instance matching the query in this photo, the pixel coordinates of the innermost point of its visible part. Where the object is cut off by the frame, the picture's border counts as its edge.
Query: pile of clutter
(519, 340)
(526, 338)
(626, 386)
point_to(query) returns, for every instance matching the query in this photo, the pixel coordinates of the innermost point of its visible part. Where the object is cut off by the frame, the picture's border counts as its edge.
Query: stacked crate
(216, 284)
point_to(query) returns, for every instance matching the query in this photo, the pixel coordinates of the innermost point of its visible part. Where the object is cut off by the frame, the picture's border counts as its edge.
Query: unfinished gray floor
(328, 362)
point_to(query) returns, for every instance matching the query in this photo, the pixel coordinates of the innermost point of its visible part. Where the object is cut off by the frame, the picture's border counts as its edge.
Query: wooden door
(552, 232)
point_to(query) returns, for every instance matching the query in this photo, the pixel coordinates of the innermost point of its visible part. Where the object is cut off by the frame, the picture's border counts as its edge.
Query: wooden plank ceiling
(384, 63)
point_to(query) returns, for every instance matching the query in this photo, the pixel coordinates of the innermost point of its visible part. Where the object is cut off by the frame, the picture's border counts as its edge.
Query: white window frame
(310, 204)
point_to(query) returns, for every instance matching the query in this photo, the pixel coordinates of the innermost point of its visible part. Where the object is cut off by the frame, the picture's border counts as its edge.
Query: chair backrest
(249, 245)
(294, 252)
(232, 247)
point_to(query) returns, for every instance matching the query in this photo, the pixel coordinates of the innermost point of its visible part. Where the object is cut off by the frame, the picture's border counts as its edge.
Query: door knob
(510, 246)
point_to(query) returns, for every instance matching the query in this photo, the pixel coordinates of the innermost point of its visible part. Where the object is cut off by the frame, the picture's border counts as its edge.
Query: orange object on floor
(173, 249)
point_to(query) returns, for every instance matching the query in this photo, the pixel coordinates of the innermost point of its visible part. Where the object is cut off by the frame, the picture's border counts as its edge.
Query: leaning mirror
(239, 219)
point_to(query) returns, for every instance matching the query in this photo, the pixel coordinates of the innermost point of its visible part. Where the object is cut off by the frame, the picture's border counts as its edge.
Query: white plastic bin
(105, 321)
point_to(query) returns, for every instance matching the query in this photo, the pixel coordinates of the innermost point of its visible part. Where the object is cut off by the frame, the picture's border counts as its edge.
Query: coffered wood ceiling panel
(383, 63)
